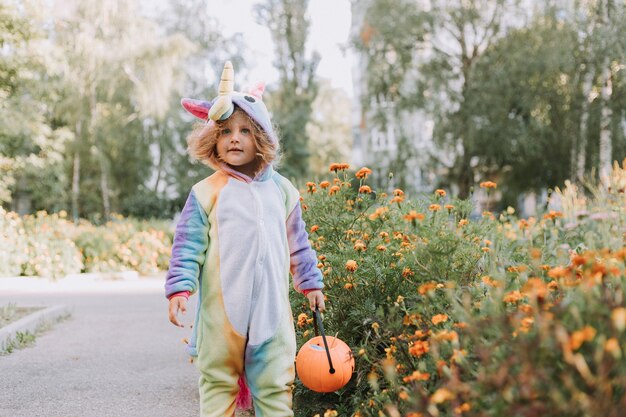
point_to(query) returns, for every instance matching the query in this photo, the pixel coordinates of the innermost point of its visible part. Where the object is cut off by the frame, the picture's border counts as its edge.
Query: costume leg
(220, 361)
(270, 373)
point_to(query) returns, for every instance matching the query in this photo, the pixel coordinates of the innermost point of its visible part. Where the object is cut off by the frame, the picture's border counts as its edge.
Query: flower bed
(49, 245)
(451, 316)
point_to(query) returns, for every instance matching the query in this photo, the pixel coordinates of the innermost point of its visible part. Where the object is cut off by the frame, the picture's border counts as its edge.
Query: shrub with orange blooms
(442, 328)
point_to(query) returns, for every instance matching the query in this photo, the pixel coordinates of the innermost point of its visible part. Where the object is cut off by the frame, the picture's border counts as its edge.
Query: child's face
(236, 144)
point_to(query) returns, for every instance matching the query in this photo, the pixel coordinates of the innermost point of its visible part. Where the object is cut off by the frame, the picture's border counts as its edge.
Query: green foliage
(491, 316)
(292, 101)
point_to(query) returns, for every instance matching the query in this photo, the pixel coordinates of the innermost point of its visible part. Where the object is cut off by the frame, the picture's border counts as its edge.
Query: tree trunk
(606, 146)
(104, 186)
(580, 152)
(76, 173)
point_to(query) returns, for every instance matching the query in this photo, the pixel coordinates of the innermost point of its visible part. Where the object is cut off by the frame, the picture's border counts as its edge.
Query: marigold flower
(463, 222)
(375, 326)
(351, 265)
(348, 286)
(359, 246)
(439, 318)
(417, 376)
(365, 189)
(434, 207)
(558, 272)
(363, 173)
(440, 193)
(415, 414)
(551, 215)
(512, 297)
(403, 395)
(333, 190)
(397, 199)
(381, 248)
(324, 184)
(330, 413)
(424, 288)
(586, 334)
(414, 215)
(449, 207)
(311, 187)
(314, 228)
(302, 318)
(488, 184)
(419, 348)
(406, 272)
(338, 167)
(378, 213)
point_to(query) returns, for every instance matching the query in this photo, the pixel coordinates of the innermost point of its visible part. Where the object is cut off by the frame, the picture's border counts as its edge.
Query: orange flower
(333, 190)
(351, 265)
(378, 213)
(434, 207)
(414, 215)
(581, 336)
(302, 318)
(397, 199)
(448, 207)
(419, 348)
(310, 187)
(488, 184)
(338, 167)
(314, 228)
(439, 318)
(365, 189)
(348, 286)
(359, 246)
(463, 222)
(363, 173)
(381, 248)
(324, 184)
(440, 193)
(417, 376)
(462, 408)
(552, 215)
(406, 272)
(512, 297)
(429, 286)
(398, 192)
(558, 272)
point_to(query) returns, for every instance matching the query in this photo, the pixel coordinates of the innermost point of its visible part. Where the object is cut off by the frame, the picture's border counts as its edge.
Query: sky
(329, 31)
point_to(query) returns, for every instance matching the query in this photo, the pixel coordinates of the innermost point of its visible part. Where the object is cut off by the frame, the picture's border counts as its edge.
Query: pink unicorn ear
(198, 108)
(258, 90)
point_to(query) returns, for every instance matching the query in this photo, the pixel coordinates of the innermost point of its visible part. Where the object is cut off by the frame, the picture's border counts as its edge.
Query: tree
(329, 129)
(292, 101)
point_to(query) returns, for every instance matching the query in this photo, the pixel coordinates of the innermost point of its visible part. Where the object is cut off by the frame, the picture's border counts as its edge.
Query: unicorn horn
(223, 106)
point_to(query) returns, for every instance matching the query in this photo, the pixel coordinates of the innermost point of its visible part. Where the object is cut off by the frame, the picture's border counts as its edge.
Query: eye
(225, 131)
(250, 99)
(245, 130)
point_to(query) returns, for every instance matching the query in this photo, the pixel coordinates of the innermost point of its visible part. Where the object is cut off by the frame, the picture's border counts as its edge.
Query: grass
(9, 314)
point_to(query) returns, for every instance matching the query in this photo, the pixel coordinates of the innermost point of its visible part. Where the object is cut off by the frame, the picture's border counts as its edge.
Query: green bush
(452, 317)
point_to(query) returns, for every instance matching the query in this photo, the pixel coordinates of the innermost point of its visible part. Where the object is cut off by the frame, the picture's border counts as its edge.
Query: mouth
(235, 150)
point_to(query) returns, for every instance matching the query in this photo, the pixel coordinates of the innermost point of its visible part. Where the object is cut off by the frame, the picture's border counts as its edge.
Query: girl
(239, 235)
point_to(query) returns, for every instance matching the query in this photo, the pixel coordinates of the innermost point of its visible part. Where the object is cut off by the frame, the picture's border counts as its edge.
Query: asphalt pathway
(117, 355)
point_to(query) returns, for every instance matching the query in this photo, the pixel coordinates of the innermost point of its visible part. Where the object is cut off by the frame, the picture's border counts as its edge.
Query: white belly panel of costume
(253, 256)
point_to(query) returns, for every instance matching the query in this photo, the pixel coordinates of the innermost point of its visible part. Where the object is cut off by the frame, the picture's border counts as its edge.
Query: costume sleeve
(191, 241)
(303, 259)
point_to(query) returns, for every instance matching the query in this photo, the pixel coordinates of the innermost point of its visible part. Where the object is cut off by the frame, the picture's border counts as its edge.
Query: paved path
(117, 355)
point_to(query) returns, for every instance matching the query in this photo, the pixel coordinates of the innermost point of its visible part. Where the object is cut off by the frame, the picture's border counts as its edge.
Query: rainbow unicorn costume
(235, 243)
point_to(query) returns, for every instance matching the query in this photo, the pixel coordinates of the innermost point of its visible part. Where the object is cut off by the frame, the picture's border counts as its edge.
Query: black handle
(318, 322)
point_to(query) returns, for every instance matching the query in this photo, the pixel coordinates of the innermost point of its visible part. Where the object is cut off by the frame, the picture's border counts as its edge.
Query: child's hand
(316, 298)
(176, 304)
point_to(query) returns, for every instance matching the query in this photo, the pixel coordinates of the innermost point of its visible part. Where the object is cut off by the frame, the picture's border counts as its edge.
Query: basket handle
(317, 322)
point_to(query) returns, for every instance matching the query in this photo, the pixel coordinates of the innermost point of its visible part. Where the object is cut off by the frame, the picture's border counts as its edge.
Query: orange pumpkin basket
(322, 368)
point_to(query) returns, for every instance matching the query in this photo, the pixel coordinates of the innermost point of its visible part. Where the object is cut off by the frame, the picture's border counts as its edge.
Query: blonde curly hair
(202, 142)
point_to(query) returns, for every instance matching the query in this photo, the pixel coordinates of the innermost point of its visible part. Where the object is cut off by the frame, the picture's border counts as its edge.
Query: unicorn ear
(258, 91)
(198, 108)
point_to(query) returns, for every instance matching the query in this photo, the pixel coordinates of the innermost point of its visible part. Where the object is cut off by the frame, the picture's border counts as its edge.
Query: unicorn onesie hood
(237, 241)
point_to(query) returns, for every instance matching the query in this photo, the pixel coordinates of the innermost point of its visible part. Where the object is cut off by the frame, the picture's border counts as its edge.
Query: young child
(239, 235)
